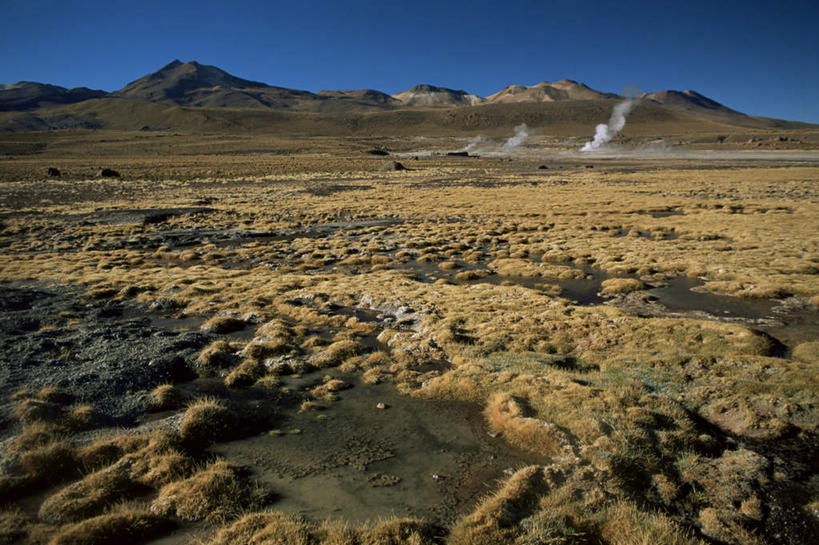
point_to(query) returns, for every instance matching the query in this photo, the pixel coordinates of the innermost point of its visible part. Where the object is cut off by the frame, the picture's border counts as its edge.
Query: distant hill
(564, 89)
(429, 95)
(559, 118)
(28, 95)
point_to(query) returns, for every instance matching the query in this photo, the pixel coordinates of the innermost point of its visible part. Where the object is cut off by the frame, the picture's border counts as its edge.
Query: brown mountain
(689, 101)
(564, 89)
(194, 84)
(28, 95)
(429, 95)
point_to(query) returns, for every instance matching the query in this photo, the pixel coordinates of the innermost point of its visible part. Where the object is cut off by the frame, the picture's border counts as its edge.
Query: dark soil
(96, 351)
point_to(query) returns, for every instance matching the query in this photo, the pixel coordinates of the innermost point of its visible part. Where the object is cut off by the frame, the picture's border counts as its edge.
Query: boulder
(107, 173)
(393, 165)
(53, 172)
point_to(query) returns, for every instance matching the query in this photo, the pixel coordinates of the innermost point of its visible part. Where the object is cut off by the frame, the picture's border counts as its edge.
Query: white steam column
(605, 132)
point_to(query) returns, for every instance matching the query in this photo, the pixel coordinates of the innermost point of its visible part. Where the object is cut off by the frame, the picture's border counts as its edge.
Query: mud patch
(353, 460)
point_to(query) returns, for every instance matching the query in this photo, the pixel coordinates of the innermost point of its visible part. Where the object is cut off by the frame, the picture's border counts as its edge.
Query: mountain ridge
(194, 85)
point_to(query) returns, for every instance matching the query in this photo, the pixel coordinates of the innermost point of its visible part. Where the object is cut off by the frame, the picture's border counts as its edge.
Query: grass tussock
(103, 452)
(89, 496)
(166, 397)
(279, 528)
(507, 415)
(222, 325)
(496, 518)
(626, 525)
(125, 525)
(335, 354)
(269, 527)
(621, 286)
(245, 374)
(214, 494)
(215, 357)
(207, 421)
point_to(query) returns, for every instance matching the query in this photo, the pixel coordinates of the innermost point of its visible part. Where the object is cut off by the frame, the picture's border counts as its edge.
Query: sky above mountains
(755, 57)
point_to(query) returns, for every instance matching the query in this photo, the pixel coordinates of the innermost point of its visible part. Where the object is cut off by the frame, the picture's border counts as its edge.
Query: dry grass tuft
(507, 415)
(401, 532)
(620, 286)
(245, 374)
(207, 421)
(263, 528)
(124, 526)
(13, 526)
(52, 462)
(807, 352)
(336, 353)
(223, 324)
(88, 496)
(214, 494)
(104, 452)
(626, 525)
(79, 417)
(215, 357)
(496, 518)
(166, 397)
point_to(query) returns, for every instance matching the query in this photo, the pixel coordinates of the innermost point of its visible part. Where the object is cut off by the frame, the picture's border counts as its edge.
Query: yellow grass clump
(126, 525)
(213, 494)
(207, 421)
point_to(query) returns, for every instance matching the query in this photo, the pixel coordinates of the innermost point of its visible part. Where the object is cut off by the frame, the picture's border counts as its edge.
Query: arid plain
(271, 339)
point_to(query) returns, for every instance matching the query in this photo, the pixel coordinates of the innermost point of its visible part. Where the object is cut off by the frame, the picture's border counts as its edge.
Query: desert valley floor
(298, 341)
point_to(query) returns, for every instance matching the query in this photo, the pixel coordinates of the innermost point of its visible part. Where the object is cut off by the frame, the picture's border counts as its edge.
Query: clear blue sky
(757, 57)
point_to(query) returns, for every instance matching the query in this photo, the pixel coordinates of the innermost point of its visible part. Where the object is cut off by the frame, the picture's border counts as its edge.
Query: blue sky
(757, 57)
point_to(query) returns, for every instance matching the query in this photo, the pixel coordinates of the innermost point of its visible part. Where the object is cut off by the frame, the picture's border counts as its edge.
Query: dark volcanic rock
(103, 355)
(107, 173)
(53, 172)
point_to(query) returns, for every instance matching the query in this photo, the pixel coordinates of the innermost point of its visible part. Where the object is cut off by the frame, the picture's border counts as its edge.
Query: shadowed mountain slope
(28, 95)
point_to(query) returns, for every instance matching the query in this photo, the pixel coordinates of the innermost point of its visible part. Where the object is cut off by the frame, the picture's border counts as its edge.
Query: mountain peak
(565, 89)
(176, 82)
(430, 95)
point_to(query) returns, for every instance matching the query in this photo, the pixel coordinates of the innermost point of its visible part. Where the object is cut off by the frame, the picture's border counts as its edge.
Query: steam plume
(478, 143)
(605, 132)
(521, 134)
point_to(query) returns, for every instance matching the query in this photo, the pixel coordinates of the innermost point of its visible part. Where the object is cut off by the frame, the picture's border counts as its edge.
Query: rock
(377, 152)
(53, 172)
(393, 165)
(107, 173)
(381, 405)
(458, 154)
(543, 167)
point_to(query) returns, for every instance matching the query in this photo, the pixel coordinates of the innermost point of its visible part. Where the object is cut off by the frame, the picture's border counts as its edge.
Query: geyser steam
(521, 134)
(605, 132)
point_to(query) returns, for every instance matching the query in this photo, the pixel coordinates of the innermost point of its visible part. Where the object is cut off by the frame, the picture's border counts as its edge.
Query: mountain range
(193, 85)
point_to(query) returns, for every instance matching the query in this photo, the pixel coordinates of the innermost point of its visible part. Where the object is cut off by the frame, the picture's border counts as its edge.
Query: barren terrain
(273, 339)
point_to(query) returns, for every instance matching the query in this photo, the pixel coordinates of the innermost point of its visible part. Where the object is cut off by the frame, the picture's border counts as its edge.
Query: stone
(393, 165)
(107, 173)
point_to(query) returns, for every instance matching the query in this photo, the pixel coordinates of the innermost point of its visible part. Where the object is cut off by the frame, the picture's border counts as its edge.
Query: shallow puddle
(355, 461)
(582, 291)
(679, 296)
(788, 325)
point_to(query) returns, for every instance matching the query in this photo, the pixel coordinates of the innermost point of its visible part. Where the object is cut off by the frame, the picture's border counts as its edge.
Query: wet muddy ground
(355, 461)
